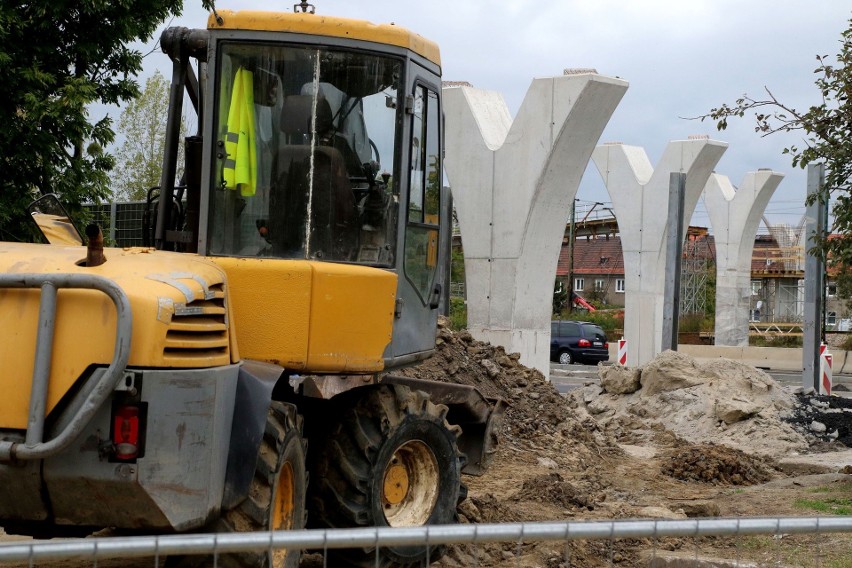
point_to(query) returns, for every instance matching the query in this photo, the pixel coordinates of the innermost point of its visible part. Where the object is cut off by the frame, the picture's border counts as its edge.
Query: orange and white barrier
(825, 362)
(622, 352)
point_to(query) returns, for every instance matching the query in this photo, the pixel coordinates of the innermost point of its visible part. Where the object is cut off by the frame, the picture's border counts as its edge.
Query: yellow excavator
(238, 375)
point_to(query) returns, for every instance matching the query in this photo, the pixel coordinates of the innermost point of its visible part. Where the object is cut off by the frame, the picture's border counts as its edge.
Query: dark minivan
(577, 342)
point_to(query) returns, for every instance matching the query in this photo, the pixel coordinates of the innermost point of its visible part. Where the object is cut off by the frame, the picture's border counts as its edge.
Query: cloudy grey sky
(681, 58)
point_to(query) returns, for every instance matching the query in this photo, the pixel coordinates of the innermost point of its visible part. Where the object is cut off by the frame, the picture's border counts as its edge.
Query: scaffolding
(777, 276)
(696, 264)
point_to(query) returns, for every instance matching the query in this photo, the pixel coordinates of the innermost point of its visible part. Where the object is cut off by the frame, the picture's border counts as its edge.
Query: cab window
(305, 147)
(424, 198)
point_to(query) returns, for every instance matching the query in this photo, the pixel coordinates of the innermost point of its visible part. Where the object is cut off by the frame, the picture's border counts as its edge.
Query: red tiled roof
(602, 256)
(593, 256)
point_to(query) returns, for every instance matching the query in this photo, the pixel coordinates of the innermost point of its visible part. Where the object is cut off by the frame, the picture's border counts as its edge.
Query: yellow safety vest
(240, 145)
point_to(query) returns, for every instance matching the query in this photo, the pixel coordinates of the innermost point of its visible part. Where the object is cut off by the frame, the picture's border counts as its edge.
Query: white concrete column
(640, 196)
(735, 215)
(513, 183)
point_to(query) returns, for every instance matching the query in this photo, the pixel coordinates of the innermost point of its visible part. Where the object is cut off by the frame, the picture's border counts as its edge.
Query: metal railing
(158, 547)
(34, 446)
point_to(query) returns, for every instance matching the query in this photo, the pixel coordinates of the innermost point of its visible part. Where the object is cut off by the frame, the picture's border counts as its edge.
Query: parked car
(577, 342)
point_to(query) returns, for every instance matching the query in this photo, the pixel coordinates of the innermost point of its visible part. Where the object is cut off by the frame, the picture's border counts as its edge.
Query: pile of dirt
(827, 419)
(709, 463)
(722, 400)
(552, 488)
(540, 436)
(636, 446)
(536, 415)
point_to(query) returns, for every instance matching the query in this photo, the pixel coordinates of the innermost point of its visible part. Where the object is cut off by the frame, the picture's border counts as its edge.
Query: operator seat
(310, 176)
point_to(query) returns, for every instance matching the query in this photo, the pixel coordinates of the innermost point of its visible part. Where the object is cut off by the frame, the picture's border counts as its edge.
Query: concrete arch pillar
(513, 183)
(640, 194)
(735, 215)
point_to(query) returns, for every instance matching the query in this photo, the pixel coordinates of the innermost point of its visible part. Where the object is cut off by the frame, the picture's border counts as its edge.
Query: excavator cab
(320, 141)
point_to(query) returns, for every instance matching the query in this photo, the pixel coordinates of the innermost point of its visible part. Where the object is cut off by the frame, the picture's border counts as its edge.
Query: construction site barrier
(622, 352)
(98, 549)
(825, 363)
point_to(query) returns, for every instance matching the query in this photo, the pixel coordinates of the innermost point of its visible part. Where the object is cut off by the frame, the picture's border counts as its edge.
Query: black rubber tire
(349, 461)
(282, 446)
(565, 358)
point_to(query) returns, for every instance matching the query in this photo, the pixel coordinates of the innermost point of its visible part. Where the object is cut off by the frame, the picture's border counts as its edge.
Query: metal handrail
(380, 537)
(35, 447)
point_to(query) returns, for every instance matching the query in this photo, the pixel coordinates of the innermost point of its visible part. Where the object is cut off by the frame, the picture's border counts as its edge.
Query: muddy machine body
(238, 375)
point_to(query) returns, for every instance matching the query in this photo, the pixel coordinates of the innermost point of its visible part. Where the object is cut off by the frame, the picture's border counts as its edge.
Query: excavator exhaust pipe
(95, 247)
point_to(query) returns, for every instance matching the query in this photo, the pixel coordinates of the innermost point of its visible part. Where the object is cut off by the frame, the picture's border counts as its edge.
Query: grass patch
(757, 543)
(842, 507)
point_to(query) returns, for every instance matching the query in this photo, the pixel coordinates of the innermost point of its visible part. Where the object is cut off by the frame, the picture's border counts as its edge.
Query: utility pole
(815, 227)
(571, 226)
(674, 249)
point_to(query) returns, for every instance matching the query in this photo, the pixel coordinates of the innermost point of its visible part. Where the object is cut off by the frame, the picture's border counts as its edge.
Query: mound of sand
(723, 401)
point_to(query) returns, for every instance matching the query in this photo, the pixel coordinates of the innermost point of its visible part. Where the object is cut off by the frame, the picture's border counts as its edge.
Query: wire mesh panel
(121, 222)
(611, 543)
(127, 225)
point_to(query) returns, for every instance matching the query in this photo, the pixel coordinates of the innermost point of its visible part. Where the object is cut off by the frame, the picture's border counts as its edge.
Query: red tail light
(584, 343)
(125, 432)
(606, 345)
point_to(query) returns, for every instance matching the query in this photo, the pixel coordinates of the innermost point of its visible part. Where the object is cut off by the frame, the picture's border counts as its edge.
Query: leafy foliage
(143, 125)
(610, 320)
(827, 130)
(458, 314)
(57, 57)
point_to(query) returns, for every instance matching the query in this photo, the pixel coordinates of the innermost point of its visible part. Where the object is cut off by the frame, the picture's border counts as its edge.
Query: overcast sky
(681, 58)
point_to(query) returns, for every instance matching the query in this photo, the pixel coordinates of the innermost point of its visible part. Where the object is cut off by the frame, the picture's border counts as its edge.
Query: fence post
(113, 213)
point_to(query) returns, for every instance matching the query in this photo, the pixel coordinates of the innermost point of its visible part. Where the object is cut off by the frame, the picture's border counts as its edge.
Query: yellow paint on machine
(311, 316)
(319, 25)
(155, 283)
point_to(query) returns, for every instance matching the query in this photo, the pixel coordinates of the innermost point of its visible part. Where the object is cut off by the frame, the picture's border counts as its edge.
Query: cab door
(421, 270)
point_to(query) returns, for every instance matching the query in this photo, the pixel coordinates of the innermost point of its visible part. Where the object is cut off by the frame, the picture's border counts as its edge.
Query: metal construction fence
(121, 222)
(92, 551)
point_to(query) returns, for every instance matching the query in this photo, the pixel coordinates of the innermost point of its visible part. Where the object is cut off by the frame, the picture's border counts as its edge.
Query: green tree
(143, 125)
(827, 129)
(57, 57)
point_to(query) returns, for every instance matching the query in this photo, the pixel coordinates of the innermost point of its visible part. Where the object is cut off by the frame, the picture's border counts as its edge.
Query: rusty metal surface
(328, 386)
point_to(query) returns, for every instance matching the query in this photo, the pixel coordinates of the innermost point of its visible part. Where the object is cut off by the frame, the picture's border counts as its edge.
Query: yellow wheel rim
(283, 508)
(284, 504)
(410, 485)
(396, 483)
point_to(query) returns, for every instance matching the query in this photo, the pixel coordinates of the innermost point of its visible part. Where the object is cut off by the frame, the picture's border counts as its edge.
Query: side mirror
(53, 221)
